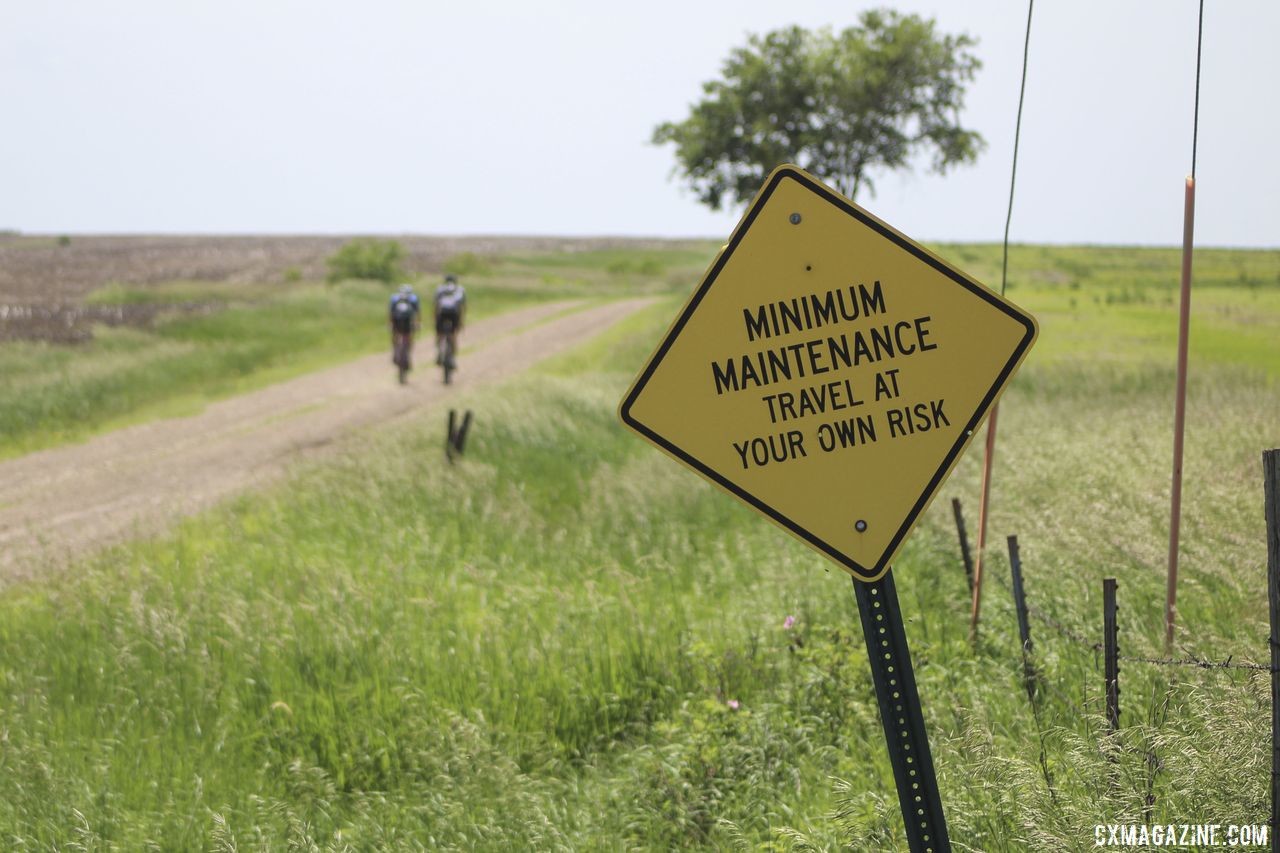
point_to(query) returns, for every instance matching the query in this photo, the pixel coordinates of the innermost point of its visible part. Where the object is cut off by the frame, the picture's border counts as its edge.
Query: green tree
(840, 105)
(364, 257)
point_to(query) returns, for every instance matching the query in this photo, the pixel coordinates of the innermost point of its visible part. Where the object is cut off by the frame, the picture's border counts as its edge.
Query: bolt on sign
(828, 371)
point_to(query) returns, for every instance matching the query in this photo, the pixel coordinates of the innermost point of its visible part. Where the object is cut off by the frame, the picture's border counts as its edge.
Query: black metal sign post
(900, 713)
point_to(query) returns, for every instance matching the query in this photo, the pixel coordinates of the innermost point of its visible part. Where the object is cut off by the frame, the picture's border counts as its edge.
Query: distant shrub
(468, 263)
(64, 240)
(111, 293)
(647, 266)
(292, 275)
(367, 258)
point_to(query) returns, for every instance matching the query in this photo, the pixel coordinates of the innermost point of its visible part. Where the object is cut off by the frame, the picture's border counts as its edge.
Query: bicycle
(447, 360)
(401, 355)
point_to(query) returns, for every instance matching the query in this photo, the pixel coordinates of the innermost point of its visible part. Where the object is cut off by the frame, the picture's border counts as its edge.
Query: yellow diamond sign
(828, 371)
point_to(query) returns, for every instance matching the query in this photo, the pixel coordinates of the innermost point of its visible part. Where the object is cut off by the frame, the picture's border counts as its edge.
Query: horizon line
(11, 233)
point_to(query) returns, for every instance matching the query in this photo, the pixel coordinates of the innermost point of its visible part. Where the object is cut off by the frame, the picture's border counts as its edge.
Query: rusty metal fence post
(1271, 507)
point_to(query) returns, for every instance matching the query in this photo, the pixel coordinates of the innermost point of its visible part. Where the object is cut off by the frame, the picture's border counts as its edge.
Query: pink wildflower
(733, 704)
(788, 622)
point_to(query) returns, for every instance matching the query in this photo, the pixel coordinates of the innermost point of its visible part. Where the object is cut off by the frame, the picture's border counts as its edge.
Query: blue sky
(504, 117)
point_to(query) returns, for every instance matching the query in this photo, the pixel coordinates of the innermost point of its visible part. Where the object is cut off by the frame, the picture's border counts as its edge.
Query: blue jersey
(404, 311)
(412, 297)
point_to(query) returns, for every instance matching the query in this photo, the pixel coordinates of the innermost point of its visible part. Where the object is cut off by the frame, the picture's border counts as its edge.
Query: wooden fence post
(1111, 652)
(1271, 506)
(964, 542)
(1024, 624)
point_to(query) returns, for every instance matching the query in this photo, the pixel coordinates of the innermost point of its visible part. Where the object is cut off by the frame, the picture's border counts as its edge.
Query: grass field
(567, 642)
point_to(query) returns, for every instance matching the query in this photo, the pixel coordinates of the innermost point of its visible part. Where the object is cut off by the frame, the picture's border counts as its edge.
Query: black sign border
(852, 566)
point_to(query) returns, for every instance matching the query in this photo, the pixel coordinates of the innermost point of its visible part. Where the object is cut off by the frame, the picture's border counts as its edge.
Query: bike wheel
(401, 358)
(446, 361)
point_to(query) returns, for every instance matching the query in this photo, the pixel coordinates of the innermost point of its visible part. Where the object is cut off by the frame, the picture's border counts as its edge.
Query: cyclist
(451, 307)
(403, 321)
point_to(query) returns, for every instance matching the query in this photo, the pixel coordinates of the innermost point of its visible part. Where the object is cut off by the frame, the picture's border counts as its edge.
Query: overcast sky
(466, 117)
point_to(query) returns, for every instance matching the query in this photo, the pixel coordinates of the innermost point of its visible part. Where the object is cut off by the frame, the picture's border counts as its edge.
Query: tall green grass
(50, 393)
(542, 647)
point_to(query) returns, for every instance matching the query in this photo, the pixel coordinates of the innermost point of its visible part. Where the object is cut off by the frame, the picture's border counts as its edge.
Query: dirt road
(59, 503)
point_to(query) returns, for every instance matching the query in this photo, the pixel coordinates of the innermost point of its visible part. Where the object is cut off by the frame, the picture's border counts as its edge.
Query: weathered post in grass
(731, 393)
(1271, 506)
(964, 542)
(1024, 624)
(456, 441)
(460, 442)
(1111, 653)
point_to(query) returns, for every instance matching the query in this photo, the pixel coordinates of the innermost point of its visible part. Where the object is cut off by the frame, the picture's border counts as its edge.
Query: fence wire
(1190, 661)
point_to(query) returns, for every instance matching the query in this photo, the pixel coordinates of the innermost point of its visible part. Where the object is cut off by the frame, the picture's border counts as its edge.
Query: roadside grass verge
(540, 646)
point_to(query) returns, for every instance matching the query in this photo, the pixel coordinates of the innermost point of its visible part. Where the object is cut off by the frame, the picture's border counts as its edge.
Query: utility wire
(1195, 125)
(1017, 133)
(1190, 661)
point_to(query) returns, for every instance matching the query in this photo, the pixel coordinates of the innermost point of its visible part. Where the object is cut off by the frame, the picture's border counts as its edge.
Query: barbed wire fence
(1037, 685)
(1064, 631)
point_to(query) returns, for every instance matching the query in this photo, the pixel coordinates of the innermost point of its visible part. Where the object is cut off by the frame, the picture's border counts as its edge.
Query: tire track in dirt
(59, 503)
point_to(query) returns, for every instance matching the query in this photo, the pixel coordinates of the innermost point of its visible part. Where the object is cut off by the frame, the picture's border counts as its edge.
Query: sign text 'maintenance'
(822, 354)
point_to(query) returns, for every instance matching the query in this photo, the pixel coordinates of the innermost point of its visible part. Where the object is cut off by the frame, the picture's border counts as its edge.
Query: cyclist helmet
(450, 279)
(406, 288)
